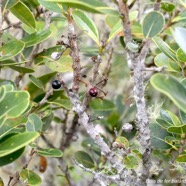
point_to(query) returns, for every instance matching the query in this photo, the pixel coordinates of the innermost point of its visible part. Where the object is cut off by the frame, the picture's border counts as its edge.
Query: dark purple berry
(93, 92)
(56, 84)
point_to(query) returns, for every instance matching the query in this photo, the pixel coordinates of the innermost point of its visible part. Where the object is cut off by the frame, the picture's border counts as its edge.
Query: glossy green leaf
(46, 53)
(11, 157)
(131, 161)
(10, 124)
(179, 34)
(36, 38)
(175, 120)
(37, 82)
(153, 24)
(11, 49)
(77, 4)
(89, 144)
(181, 56)
(17, 142)
(172, 88)
(181, 17)
(64, 64)
(85, 23)
(177, 129)
(102, 105)
(13, 104)
(64, 103)
(84, 159)
(163, 123)
(34, 123)
(167, 6)
(161, 60)
(8, 4)
(182, 116)
(122, 141)
(50, 152)
(158, 135)
(22, 12)
(34, 90)
(12, 63)
(164, 47)
(22, 70)
(30, 177)
(51, 6)
(181, 158)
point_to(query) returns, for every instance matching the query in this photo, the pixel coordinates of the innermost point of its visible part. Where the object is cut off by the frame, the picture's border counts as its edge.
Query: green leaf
(102, 105)
(51, 6)
(30, 177)
(181, 56)
(153, 24)
(167, 6)
(34, 123)
(10, 124)
(37, 82)
(22, 12)
(164, 47)
(11, 49)
(163, 123)
(17, 142)
(86, 24)
(122, 141)
(11, 157)
(64, 64)
(36, 38)
(50, 152)
(89, 144)
(131, 161)
(158, 135)
(77, 4)
(22, 70)
(170, 65)
(181, 158)
(182, 116)
(65, 103)
(179, 34)
(8, 4)
(12, 63)
(172, 88)
(46, 54)
(84, 159)
(177, 129)
(13, 104)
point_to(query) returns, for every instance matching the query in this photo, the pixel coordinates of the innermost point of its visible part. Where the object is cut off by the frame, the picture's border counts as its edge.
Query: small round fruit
(56, 84)
(93, 92)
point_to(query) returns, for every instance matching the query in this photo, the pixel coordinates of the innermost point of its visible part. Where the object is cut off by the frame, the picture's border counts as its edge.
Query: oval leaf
(181, 56)
(22, 70)
(11, 49)
(37, 82)
(65, 103)
(64, 64)
(161, 60)
(50, 152)
(177, 129)
(34, 123)
(22, 12)
(167, 6)
(36, 38)
(86, 24)
(179, 34)
(51, 6)
(30, 177)
(152, 24)
(164, 47)
(131, 161)
(172, 88)
(84, 159)
(17, 142)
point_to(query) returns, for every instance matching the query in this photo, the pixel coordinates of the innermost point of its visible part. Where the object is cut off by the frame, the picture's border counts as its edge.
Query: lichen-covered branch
(142, 119)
